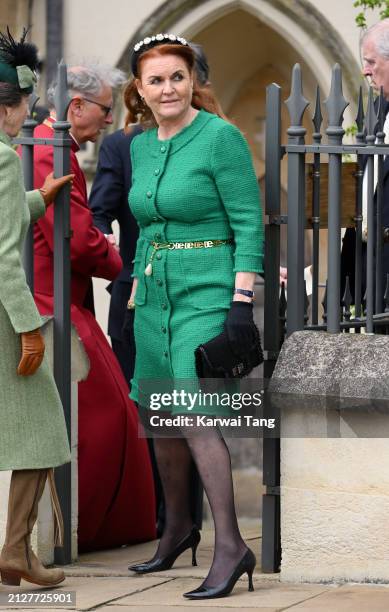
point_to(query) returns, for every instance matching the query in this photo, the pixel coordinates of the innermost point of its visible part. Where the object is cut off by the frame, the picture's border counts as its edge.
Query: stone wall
(333, 392)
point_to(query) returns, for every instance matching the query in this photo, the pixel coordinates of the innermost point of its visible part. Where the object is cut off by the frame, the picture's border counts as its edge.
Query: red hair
(203, 97)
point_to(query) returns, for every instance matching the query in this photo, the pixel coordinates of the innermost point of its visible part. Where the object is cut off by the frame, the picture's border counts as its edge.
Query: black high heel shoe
(164, 563)
(245, 565)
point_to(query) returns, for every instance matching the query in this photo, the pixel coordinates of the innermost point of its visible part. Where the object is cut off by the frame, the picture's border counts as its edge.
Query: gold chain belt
(196, 244)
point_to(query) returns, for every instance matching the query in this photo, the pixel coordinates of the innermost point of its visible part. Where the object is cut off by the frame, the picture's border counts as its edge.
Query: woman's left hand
(52, 185)
(240, 327)
(33, 350)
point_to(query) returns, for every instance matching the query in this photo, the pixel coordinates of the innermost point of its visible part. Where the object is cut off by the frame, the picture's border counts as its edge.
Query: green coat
(198, 185)
(32, 431)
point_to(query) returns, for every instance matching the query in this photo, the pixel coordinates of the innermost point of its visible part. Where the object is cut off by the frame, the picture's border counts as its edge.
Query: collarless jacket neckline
(179, 140)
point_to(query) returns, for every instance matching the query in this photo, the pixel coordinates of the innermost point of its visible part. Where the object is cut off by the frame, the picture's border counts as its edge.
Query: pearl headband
(152, 41)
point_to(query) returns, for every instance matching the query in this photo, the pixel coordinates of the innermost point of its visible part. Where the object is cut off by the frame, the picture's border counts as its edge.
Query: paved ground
(101, 582)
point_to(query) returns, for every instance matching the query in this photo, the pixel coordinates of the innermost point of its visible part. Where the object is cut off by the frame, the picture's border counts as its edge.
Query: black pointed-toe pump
(245, 565)
(164, 563)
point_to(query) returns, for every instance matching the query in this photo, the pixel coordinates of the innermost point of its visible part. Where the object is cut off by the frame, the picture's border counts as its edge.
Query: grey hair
(89, 79)
(380, 33)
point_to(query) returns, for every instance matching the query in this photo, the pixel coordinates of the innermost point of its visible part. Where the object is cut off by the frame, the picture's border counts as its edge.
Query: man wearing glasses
(116, 494)
(90, 113)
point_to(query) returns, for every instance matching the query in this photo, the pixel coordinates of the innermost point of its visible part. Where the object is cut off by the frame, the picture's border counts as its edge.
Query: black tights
(212, 458)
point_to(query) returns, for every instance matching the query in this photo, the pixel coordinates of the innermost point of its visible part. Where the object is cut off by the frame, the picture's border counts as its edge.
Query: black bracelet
(245, 292)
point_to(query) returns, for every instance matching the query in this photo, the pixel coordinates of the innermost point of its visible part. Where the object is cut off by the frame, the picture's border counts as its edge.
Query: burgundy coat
(116, 493)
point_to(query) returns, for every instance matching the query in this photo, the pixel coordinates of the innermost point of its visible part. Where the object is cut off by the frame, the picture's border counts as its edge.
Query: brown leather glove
(52, 185)
(33, 349)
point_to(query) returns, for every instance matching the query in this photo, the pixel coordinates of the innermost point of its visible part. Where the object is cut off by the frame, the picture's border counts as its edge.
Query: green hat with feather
(18, 62)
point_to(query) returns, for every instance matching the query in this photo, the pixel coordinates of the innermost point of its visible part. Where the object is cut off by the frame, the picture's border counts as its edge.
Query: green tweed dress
(198, 185)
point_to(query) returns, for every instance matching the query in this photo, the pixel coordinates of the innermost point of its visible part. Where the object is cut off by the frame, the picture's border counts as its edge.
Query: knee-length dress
(199, 185)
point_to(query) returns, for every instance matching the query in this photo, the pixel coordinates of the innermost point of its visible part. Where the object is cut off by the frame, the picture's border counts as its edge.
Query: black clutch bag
(216, 359)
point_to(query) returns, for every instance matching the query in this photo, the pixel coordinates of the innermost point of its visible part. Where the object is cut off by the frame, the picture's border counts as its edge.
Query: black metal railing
(62, 353)
(342, 308)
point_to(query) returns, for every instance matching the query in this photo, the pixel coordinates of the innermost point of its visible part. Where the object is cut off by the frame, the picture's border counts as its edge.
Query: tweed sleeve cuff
(36, 204)
(249, 263)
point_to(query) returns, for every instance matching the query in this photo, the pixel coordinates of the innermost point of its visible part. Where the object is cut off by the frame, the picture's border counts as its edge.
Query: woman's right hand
(33, 349)
(52, 185)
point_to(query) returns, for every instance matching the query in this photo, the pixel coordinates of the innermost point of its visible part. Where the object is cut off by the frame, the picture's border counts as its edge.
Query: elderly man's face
(375, 67)
(91, 114)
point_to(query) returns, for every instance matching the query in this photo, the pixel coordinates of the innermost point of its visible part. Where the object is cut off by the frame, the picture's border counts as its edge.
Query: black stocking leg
(174, 460)
(212, 458)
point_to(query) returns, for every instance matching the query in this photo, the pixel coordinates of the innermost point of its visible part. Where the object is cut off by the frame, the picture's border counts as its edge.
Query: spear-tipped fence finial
(33, 101)
(359, 119)
(360, 113)
(61, 95)
(347, 300)
(317, 118)
(296, 102)
(381, 104)
(371, 119)
(380, 134)
(336, 102)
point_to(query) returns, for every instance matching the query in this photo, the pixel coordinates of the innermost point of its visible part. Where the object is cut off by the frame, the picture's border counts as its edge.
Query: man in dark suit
(375, 54)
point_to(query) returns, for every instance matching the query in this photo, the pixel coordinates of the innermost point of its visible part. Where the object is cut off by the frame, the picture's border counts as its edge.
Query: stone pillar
(333, 391)
(334, 509)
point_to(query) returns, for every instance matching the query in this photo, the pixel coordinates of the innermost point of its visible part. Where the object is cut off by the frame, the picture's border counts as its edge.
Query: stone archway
(298, 22)
(250, 43)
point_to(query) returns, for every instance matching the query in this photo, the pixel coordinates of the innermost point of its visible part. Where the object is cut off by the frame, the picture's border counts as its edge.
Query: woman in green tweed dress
(33, 436)
(195, 196)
